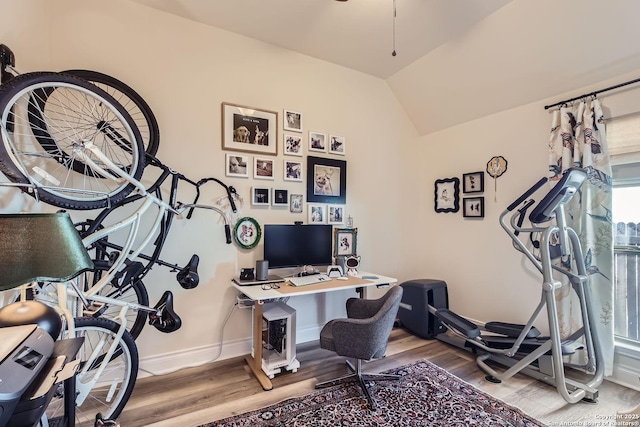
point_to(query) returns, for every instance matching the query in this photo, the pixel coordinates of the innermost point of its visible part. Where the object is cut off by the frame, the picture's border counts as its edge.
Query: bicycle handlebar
(229, 189)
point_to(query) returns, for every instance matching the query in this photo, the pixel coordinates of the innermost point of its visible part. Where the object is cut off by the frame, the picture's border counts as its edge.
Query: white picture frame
(236, 165)
(292, 121)
(318, 142)
(292, 145)
(249, 129)
(293, 170)
(263, 167)
(260, 196)
(337, 145)
(317, 213)
(280, 197)
(335, 214)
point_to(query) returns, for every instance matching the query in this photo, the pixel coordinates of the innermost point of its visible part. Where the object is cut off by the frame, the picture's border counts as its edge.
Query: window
(623, 135)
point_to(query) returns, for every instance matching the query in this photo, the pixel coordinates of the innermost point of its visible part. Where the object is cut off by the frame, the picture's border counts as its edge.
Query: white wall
(487, 278)
(25, 29)
(185, 71)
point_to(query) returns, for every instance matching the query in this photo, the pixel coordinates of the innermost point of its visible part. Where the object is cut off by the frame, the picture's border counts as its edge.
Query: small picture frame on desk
(345, 242)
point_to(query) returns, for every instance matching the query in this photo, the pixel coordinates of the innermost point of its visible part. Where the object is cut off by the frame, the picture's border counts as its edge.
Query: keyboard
(309, 280)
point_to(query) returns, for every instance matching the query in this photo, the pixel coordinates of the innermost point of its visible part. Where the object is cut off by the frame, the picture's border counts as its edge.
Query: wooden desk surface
(256, 292)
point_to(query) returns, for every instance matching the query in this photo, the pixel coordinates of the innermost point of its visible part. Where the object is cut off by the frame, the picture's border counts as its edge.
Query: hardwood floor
(195, 396)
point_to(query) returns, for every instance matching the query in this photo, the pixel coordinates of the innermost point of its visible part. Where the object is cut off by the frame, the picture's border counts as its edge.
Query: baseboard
(170, 362)
(626, 368)
(174, 361)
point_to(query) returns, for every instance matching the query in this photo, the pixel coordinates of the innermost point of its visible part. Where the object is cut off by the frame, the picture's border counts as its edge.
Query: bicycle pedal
(103, 422)
(94, 310)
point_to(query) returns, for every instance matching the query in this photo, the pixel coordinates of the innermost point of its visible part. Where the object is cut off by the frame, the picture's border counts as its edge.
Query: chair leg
(336, 381)
(362, 379)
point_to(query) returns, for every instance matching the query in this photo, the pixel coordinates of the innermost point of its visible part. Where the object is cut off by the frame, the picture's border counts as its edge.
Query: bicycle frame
(163, 221)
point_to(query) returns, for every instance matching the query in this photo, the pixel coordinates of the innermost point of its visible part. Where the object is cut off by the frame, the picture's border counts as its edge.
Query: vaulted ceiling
(457, 60)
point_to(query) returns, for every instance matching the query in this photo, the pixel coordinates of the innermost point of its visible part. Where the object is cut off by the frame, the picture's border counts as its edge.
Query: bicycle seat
(188, 276)
(165, 319)
(128, 274)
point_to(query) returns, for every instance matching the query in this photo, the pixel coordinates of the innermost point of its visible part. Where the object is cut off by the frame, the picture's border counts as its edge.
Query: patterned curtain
(578, 139)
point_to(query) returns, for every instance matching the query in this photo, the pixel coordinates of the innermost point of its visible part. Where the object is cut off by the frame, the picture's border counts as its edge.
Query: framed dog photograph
(335, 214)
(292, 121)
(292, 145)
(293, 170)
(249, 129)
(317, 213)
(317, 142)
(337, 145)
(326, 180)
(237, 166)
(345, 243)
(263, 167)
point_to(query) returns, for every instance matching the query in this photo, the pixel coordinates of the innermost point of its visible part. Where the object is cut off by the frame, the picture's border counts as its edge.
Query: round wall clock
(247, 232)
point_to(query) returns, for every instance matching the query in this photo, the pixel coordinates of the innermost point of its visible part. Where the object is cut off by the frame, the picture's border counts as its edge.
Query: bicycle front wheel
(47, 119)
(110, 393)
(135, 105)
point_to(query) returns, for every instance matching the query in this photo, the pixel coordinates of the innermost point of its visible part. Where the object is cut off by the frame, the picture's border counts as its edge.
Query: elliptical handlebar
(527, 193)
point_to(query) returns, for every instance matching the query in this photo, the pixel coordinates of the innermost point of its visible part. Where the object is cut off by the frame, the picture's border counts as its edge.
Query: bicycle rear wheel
(110, 393)
(47, 118)
(135, 105)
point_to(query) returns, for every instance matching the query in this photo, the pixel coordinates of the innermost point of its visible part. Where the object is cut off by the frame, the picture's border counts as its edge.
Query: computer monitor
(297, 245)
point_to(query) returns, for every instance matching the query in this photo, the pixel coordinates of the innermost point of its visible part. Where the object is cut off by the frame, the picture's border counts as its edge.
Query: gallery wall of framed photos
(283, 165)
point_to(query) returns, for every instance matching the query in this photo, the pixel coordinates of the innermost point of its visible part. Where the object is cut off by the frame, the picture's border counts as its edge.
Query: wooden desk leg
(255, 362)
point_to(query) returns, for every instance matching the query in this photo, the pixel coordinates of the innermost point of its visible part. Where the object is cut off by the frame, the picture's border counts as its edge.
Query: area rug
(425, 395)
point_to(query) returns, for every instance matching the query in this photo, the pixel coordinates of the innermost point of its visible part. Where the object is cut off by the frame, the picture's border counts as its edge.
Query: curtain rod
(546, 107)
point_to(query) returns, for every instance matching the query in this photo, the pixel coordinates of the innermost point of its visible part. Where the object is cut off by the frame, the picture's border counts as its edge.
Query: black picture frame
(473, 182)
(326, 180)
(473, 207)
(447, 195)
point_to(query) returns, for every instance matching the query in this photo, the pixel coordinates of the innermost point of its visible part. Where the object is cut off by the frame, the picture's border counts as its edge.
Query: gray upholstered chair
(363, 335)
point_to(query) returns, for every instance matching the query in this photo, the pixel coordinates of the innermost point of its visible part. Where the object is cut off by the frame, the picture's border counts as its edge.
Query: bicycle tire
(51, 116)
(110, 394)
(135, 105)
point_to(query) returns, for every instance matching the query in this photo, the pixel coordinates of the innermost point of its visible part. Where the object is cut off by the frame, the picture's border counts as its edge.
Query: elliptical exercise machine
(520, 348)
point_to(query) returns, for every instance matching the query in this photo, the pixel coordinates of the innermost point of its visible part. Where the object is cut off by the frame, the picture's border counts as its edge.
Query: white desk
(259, 296)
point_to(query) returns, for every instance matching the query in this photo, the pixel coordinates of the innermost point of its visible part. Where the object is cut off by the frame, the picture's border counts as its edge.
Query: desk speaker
(262, 269)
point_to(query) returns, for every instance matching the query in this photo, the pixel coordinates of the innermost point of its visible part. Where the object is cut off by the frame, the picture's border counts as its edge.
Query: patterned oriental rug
(426, 395)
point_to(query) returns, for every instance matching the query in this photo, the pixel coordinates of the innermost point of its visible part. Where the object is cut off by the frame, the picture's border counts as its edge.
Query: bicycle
(117, 360)
(127, 283)
(38, 107)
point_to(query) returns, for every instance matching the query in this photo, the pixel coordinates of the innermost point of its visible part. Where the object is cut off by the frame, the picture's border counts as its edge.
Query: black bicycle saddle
(165, 319)
(188, 276)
